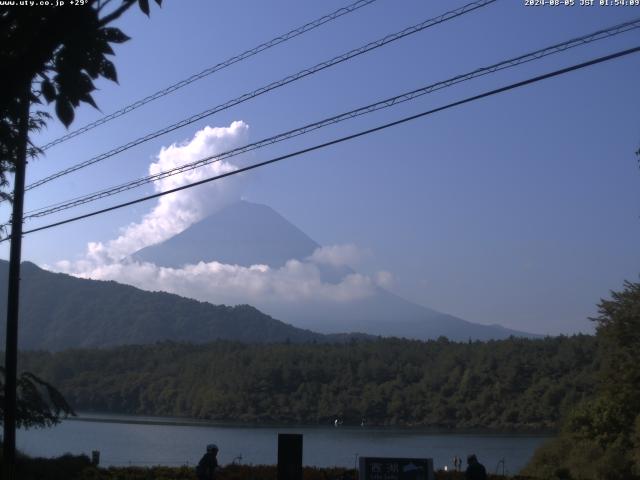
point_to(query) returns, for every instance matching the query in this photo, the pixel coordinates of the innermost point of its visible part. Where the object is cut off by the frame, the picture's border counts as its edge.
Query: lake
(144, 441)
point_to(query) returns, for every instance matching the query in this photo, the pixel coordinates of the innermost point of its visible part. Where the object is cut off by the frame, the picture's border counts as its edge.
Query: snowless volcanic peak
(243, 233)
(248, 234)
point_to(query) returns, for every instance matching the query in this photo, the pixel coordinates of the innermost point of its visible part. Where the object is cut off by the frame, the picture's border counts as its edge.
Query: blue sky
(520, 209)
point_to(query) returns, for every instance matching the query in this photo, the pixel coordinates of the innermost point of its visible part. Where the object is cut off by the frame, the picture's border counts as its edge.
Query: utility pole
(13, 299)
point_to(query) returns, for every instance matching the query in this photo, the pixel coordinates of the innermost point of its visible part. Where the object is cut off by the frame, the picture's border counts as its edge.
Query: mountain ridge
(59, 311)
(243, 233)
(237, 234)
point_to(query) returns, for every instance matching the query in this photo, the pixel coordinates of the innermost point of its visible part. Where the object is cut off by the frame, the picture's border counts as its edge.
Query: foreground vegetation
(591, 383)
(600, 437)
(70, 467)
(508, 384)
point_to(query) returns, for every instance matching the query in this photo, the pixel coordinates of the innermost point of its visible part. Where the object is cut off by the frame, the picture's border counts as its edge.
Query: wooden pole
(13, 293)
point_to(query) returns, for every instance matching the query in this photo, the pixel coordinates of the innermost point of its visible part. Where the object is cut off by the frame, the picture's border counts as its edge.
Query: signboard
(289, 456)
(381, 468)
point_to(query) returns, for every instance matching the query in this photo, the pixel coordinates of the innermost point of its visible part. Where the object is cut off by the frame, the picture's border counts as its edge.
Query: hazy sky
(520, 209)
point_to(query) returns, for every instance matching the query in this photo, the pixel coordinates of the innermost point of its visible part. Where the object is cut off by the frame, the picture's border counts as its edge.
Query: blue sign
(382, 468)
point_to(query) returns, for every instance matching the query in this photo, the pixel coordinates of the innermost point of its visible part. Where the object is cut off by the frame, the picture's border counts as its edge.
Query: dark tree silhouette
(40, 404)
(50, 54)
(53, 55)
(600, 438)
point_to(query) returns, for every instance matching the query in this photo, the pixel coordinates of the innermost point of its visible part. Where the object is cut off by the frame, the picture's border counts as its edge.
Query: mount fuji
(247, 234)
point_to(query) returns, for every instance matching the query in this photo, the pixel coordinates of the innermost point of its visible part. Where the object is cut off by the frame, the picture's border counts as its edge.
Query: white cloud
(299, 280)
(338, 255)
(216, 282)
(384, 279)
(177, 211)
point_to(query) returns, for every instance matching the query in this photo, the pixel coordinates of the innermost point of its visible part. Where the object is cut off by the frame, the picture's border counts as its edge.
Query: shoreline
(133, 419)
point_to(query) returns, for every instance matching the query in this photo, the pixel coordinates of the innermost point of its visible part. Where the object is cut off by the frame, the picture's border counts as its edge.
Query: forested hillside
(60, 311)
(600, 437)
(515, 383)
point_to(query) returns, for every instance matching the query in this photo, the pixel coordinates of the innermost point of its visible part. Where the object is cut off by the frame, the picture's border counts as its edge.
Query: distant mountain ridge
(247, 234)
(242, 233)
(58, 311)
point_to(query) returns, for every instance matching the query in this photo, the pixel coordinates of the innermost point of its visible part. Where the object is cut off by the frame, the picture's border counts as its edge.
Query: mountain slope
(58, 311)
(247, 234)
(387, 315)
(241, 234)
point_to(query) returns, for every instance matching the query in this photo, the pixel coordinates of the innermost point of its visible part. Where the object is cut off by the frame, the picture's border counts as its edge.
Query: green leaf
(48, 90)
(104, 47)
(92, 65)
(108, 70)
(64, 110)
(114, 35)
(144, 6)
(84, 83)
(87, 98)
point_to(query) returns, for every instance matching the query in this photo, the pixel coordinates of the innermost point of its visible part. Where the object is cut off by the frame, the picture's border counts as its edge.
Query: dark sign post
(382, 468)
(289, 456)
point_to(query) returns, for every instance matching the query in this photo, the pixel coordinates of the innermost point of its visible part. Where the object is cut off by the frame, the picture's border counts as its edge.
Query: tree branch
(117, 13)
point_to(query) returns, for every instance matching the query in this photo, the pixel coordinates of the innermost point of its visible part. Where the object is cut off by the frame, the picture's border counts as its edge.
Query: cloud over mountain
(294, 280)
(206, 243)
(175, 212)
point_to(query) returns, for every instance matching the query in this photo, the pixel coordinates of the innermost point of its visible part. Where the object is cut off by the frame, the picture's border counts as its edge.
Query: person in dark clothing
(475, 470)
(206, 469)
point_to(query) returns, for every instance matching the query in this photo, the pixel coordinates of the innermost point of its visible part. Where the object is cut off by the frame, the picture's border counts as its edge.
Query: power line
(343, 139)
(382, 104)
(215, 68)
(274, 85)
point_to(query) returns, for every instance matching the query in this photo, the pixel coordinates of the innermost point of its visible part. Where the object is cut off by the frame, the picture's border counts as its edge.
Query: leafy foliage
(39, 403)
(62, 51)
(515, 383)
(66, 467)
(600, 438)
(53, 54)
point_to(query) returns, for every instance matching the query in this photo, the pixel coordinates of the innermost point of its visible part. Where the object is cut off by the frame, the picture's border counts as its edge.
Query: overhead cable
(272, 86)
(341, 139)
(382, 104)
(213, 69)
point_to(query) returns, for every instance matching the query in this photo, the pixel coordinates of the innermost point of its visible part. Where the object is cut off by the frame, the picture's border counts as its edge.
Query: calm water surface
(131, 440)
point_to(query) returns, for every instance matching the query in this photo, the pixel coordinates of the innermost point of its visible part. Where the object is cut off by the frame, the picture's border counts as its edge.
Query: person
(475, 470)
(206, 469)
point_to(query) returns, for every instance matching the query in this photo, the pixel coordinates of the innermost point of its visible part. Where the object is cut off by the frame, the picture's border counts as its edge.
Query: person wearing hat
(475, 470)
(206, 469)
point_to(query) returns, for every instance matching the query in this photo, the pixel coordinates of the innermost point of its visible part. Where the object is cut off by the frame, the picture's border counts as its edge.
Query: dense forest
(599, 438)
(515, 383)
